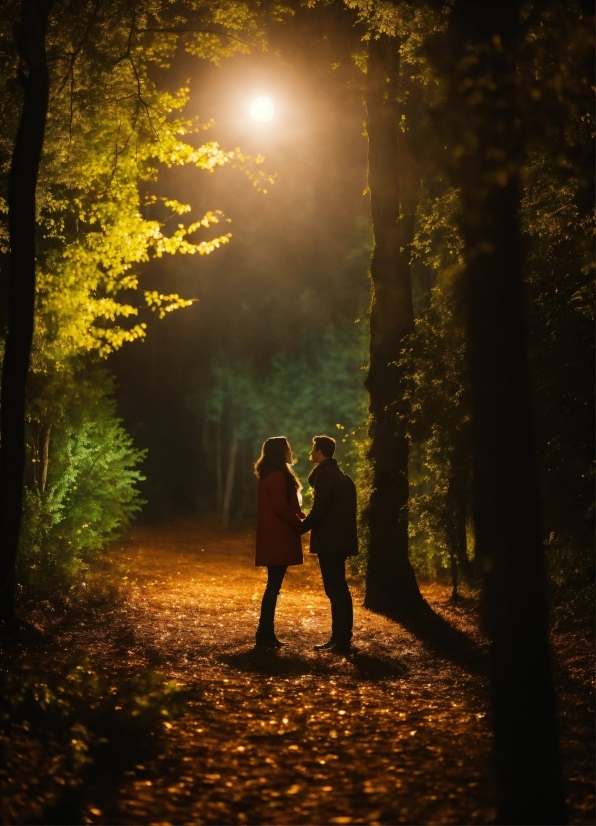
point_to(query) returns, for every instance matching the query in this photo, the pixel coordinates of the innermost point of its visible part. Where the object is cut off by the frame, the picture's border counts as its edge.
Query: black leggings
(275, 577)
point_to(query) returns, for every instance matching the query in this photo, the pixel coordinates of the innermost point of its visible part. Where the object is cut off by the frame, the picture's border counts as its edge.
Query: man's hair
(326, 444)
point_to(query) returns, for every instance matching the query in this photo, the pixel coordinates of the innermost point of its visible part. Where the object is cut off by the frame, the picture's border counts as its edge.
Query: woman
(278, 526)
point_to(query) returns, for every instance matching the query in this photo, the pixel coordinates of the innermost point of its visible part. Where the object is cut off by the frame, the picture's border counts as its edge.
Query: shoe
(267, 641)
(325, 646)
(337, 646)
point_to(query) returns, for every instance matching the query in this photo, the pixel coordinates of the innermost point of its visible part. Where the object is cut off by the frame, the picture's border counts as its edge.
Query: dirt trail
(397, 733)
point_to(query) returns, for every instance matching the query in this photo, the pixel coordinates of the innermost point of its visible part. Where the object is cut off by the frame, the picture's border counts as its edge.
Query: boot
(267, 640)
(265, 637)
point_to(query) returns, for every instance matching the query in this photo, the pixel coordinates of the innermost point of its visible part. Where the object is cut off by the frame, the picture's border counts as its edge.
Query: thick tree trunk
(230, 475)
(506, 501)
(391, 586)
(21, 298)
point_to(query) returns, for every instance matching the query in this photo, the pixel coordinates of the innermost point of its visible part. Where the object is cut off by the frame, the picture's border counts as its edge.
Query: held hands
(303, 530)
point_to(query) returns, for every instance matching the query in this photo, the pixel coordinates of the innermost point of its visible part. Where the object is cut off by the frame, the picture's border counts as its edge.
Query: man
(333, 537)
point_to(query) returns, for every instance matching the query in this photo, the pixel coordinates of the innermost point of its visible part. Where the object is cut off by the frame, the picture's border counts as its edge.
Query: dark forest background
(289, 289)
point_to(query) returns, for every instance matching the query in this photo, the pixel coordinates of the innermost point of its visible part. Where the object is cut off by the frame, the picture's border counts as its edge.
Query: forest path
(397, 733)
(394, 734)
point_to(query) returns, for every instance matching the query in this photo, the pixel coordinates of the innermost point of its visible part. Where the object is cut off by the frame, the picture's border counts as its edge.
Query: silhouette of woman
(278, 525)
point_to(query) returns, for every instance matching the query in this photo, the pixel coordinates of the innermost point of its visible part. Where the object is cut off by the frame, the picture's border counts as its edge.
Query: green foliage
(436, 404)
(361, 471)
(317, 388)
(554, 76)
(438, 411)
(557, 216)
(558, 230)
(91, 489)
(109, 128)
(559, 226)
(320, 390)
(112, 123)
(58, 725)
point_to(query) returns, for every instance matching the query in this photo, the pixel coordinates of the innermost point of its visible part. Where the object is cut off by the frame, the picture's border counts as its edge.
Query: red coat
(278, 523)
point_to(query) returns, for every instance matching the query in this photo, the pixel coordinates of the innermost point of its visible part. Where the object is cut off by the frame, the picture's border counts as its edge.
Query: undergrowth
(62, 728)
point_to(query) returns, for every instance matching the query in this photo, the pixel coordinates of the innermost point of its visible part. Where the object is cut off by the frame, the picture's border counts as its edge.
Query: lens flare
(261, 109)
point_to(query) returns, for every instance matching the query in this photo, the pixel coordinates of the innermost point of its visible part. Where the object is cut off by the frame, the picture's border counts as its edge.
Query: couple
(280, 523)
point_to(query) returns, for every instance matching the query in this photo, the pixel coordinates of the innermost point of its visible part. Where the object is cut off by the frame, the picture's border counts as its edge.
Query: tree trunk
(22, 185)
(231, 472)
(453, 561)
(391, 586)
(218, 468)
(505, 500)
(44, 456)
(457, 502)
(205, 431)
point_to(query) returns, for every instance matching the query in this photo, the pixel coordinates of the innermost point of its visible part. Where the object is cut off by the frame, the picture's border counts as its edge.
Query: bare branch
(73, 55)
(117, 154)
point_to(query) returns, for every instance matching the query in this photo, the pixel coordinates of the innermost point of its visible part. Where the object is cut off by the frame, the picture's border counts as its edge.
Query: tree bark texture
(391, 586)
(505, 497)
(22, 185)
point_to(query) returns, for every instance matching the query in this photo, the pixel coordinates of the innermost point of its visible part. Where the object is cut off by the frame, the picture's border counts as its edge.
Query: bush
(61, 728)
(90, 493)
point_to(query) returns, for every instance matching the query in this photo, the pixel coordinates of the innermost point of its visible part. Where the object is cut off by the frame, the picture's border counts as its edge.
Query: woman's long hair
(273, 457)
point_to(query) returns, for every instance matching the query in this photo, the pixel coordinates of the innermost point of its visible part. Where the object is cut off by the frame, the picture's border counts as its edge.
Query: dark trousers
(333, 571)
(275, 577)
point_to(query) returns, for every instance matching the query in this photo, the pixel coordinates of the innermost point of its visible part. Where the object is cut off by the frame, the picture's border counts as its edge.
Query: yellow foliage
(109, 129)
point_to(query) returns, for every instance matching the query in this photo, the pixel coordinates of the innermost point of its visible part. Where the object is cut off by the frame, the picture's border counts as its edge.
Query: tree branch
(191, 30)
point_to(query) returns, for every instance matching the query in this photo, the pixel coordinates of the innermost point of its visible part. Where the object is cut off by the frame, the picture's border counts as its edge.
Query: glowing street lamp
(261, 109)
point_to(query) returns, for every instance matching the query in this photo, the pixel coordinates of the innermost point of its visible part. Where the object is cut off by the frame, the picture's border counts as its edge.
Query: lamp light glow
(261, 109)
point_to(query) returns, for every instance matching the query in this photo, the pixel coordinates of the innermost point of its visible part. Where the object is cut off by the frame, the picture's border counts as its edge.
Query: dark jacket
(332, 519)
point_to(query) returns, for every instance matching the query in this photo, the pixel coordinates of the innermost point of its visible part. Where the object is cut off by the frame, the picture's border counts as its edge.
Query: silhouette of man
(333, 538)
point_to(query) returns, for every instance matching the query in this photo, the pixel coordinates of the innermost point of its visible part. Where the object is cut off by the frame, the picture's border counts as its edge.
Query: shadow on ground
(291, 663)
(21, 636)
(443, 639)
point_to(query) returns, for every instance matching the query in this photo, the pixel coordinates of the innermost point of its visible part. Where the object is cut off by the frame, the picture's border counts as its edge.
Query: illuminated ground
(396, 734)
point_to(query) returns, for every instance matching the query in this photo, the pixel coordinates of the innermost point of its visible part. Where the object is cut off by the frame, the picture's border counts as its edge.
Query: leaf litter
(397, 733)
